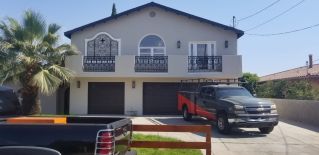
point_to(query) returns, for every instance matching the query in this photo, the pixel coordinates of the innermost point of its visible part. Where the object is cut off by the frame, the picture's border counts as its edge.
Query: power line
(287, 32)
(271, 19)
(254, 14)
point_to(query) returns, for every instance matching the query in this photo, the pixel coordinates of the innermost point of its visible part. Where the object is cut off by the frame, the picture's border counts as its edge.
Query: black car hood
(246, 100)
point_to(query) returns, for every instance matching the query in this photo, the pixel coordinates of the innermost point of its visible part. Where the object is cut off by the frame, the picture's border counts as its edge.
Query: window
(152, 45)
(102, 44)
(202, 48)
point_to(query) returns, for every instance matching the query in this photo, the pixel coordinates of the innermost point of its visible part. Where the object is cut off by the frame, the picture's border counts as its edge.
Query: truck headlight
(273, 106)
(238, 107)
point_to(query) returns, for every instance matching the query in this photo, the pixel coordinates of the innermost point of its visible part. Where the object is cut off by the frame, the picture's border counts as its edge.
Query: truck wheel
(266, 130)
(222, 124)
(187, 116)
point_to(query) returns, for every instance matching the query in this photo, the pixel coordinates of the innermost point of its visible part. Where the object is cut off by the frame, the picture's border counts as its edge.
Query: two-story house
(132, 63)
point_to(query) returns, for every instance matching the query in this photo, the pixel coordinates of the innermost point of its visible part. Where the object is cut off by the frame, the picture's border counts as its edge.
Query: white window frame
(90, 39)
(209, 43)
(151, 48)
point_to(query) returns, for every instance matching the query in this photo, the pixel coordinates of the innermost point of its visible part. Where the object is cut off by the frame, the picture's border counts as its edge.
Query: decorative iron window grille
(99, 63)
(102, 45)
(151, 63)
(204, 63)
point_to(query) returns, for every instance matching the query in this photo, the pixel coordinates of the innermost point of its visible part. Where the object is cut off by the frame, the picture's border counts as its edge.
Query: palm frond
(46, 82)
(63, 73)
(11, 72)
(7, 34)
(51, 39)
(67, 50)
(53, 28)
(34, 24)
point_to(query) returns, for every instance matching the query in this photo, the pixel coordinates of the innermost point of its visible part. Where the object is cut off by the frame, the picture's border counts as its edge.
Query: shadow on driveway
(236, 133)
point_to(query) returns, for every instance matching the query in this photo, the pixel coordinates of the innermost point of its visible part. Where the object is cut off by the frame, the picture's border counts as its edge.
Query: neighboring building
(132, 63)
(309, 72)
(296, 73)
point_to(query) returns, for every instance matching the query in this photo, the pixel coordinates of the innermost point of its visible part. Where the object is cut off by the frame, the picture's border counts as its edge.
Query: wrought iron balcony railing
(99, 63)
(151, 63)
(204, 63)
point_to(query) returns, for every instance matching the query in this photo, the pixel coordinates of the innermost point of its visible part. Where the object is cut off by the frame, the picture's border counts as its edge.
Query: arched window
(152, 45)
(102, 44)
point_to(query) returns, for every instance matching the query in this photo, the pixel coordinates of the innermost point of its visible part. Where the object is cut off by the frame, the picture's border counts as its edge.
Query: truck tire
(222, 124)
(266, 130)
(186, 115)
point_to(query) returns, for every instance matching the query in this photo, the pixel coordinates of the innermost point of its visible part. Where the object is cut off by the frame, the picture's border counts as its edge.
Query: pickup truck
(229, 106)
(74, 135)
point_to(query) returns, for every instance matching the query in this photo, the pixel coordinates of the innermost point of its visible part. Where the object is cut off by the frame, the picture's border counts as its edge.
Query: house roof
(153, 4)
(295, 73)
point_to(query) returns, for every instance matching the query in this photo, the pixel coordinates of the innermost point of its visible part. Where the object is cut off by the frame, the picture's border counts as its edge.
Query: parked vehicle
(9, 103)
(74, 135)
(228, 105)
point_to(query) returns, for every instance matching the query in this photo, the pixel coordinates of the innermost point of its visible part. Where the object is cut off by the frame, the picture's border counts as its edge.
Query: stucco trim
(89, 39)
(138, 45)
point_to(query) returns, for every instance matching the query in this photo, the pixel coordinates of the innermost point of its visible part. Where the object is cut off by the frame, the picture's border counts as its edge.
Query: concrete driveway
(286, 139)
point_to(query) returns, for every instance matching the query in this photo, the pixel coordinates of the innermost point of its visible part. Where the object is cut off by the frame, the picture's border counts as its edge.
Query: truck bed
(75, 137)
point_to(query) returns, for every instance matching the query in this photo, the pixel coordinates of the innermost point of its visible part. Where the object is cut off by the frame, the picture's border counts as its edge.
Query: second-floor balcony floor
(171, 65)
(152, 64)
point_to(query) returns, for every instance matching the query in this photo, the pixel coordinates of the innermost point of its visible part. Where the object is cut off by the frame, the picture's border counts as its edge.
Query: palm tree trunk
(31, 101)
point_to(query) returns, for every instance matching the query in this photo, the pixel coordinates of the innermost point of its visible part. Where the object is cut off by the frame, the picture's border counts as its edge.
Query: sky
(261, 55)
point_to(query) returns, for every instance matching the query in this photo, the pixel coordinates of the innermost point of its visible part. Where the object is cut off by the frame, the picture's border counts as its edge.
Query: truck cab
(229, 106)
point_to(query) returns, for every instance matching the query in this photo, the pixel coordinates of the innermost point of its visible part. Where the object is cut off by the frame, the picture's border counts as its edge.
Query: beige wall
(177, 67)
(171, 27)
(305, 111)
(133, 96)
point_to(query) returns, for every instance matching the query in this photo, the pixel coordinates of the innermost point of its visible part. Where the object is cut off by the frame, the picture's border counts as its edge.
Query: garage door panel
(160, 98)
(106, 98)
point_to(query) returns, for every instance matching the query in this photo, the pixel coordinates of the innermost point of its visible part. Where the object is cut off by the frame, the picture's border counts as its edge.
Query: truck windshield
(226, 92)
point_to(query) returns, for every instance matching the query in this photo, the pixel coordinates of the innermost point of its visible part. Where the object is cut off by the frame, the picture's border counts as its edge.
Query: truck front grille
(258, 109)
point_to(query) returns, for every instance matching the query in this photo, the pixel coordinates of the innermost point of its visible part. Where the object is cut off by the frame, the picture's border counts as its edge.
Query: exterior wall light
(133, 84)
(179, 44)
(226, 43)
(78, 84)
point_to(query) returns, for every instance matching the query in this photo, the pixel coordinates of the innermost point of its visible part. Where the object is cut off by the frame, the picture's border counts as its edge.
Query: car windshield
(226, 92)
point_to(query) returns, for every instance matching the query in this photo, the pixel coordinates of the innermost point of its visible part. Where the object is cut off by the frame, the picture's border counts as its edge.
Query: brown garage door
(160, 98)
(106, 98)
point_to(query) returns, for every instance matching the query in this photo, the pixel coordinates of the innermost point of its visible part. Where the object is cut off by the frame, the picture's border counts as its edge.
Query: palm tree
(31, 57)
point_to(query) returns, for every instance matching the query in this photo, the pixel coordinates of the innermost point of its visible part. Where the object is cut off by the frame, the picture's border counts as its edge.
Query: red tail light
(105, 142)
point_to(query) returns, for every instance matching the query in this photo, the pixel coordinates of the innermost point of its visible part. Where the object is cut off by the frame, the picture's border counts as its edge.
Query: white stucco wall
(169, 26)
(133, 96)
(177, 68)
(130, 29)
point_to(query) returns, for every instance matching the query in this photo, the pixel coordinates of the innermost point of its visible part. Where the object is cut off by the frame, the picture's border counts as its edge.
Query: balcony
(151, 64)
(171, 66)
(99, 64)
(205, 63)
